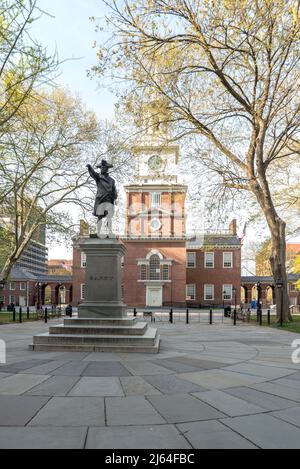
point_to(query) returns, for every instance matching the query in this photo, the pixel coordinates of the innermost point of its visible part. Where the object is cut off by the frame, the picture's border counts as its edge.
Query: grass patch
(7, 318)
(291, 326)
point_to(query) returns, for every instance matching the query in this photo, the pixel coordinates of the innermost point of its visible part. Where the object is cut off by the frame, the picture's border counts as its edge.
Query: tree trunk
(278, 266)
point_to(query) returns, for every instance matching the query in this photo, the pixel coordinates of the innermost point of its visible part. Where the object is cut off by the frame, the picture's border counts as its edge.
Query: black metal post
(187, 316)
(14, 314)
(269, 316)
(260, 317)
(234, 317)
(134, 313)
(27, 312)
(20, 314)
(210, 316)
(171, 315)
(46, 315)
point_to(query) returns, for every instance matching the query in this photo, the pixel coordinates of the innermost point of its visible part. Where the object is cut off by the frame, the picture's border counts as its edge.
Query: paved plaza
(213, 386)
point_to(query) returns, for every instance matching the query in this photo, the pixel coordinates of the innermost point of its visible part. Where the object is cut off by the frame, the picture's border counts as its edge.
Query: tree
(24, 63)
(228, 74)
(42, 168)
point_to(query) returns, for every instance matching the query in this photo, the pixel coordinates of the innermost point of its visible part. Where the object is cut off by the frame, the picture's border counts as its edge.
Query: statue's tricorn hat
(104, 164)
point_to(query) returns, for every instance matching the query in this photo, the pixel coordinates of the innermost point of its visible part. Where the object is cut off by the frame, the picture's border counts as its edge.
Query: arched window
(154, 267)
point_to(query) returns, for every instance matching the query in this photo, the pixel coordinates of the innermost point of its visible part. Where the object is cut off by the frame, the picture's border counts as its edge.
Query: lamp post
(61, 287)
(38, 284)
(234, 313)
(258, 309)
(279, 285)
(2, 285)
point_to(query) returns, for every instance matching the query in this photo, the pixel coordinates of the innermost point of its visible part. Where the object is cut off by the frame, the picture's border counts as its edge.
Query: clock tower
(155, 273)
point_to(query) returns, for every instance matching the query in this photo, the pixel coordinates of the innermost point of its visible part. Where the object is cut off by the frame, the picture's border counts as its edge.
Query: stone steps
(101, 321)
(148, 343)
(79, 329)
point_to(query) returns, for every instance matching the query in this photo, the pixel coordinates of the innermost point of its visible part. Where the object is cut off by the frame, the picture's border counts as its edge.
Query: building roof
(213, 239)
(267, 279)
(20, 274)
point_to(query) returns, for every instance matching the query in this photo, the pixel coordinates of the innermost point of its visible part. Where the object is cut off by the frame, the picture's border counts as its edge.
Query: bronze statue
(105, 198)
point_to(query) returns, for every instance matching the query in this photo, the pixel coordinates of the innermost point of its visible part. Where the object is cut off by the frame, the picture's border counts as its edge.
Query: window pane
(191, 259)
(155, 199)
(143, 272)
(209, 259)
(190, 292)
(227, 259)
(208, 292)
(82, 291)
(227, 292)
(165, 272)
(83, 259)
(154, 267)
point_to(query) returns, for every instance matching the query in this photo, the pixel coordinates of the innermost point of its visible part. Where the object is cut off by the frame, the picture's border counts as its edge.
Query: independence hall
(162, 266)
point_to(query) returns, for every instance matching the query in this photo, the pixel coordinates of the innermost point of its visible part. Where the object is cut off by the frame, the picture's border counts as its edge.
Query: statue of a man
(105, 198)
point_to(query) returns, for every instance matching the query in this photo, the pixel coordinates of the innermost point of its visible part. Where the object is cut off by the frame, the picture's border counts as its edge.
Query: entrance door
(22, 301)
(154, 296)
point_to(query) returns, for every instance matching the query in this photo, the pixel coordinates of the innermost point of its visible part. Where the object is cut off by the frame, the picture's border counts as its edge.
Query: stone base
(93, 309)
(99, 335)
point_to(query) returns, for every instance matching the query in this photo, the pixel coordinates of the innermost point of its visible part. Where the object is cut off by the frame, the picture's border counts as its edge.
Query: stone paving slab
(20, 383)
(71, 412)
(137, 386)
(183, 408)
(46, 369)
(4, 375)
(221, 379)
(171, 384)
(277, 390)
(259, 370)
(101, 386)
(139, 437)
(145, 368)
(54, 386)
(19, 410)
(174, 365)
(213, 435)
(132, 410)
(261, 399)
(229, 405)
(291, 383)
(266, 431)
(70, 369)
(42, 438)
(291, 415)
(294, 376)
(18, 367)
(105, 368)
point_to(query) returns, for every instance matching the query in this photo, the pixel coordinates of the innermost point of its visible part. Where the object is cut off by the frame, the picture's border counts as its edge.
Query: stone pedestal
(103, 292)
(102, 324)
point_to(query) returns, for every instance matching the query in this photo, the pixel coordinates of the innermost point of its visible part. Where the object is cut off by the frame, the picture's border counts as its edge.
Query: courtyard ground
(213, 386)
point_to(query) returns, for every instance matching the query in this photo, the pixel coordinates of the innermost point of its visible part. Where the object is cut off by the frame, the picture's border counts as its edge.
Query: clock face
(155, 163)
(155, 224)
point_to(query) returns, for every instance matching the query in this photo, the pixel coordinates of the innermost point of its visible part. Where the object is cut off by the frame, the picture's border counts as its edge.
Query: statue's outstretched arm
(93, 173)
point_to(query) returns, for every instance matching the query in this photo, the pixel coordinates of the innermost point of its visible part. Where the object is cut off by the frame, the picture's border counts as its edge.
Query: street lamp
(234, 313)
(2, 285)
(61, 287)
(279, 285)
(38, 285)
(258, 309)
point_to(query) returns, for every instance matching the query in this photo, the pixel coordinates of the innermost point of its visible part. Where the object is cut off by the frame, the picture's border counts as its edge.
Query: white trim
(154, 252)
(213, 260)
(10, 286)
(231, 254)
(213, 292)
(24, 284)
(82, 291)
(83, 260)
(223, 289)
(194, 260)
(188, 297)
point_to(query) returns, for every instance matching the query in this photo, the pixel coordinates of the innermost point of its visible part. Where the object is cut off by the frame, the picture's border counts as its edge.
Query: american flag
(244, 233)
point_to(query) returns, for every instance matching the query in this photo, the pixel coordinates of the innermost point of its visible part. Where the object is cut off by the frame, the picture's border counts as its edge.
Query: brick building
(163, 266)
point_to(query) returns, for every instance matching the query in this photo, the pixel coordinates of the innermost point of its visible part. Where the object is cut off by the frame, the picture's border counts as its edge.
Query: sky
(67, 28)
